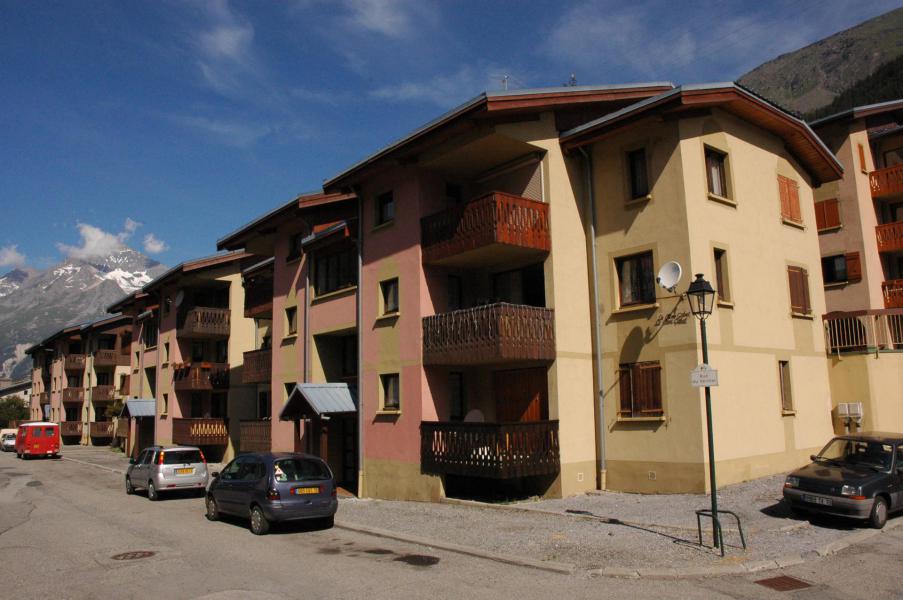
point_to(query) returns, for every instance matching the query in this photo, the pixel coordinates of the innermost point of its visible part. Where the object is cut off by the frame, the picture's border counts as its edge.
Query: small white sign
(704, 376)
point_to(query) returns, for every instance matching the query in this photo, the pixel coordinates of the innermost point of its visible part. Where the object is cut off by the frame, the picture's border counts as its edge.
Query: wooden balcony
(492, 334)
(887, 182)
(258, 297)
(255, 436)
(863, 331)
(73, 394)
(43, 398)
(102, 429)
(103, 393)
(110, 358)
(205, 323)
(200, 432)
(893, 293)
(71, 428)
(493, 229)
(74, 362)
(890, 237)
(492, 450)
(201, 377)
(257, 366)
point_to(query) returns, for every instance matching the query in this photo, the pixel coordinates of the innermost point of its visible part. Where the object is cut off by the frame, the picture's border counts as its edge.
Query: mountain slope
(814, 76)
(884, 84)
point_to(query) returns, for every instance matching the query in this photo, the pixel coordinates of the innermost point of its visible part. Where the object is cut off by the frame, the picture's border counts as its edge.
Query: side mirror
(131, 461)
(215, 475)
(813, 458)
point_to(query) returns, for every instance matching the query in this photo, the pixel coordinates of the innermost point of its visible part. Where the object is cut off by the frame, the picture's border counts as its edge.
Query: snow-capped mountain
(34, 304)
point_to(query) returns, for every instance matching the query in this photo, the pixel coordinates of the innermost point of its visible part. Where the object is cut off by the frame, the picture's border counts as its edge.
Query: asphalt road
(62, 522)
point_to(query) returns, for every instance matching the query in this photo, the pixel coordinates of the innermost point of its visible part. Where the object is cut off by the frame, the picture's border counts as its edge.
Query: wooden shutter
(626, 408)
(785, 196)
(799, 290)
(820, 220)
(789, 191)
(862, 158)
(854, 266)
(649, 375)
(827, 214)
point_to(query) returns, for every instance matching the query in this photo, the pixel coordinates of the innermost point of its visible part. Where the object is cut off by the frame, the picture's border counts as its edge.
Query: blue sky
(164, 125)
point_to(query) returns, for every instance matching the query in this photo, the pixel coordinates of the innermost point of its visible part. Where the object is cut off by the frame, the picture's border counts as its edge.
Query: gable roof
(859, 112)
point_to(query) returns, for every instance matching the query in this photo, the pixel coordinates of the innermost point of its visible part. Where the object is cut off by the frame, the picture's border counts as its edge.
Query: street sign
(704, 376)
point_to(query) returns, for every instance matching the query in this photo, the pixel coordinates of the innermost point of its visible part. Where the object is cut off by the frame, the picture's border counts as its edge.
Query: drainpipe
(306, 344)
(359, 242)
(589, 198)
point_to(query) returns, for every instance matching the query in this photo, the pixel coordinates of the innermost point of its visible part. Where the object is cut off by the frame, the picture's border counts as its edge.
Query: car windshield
(180, 457)
(858, 452)
(299, 469)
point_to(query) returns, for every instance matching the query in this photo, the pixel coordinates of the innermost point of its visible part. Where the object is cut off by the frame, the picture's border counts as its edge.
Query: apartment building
(861, 237)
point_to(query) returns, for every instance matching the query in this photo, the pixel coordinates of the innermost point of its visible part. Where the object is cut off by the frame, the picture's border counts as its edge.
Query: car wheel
(212, 509)
(327, 522)
(152, 492)
(128, 487)
(259, 523)
(878, 518)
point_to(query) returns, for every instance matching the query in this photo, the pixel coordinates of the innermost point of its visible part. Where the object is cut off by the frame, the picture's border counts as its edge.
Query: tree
(12, 408)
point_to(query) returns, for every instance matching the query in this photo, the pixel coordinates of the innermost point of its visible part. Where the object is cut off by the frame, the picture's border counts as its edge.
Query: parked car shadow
(781, 510)
(280, 528)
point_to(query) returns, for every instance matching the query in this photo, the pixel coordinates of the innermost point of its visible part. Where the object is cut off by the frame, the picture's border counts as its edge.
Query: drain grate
(134, 555)
(418, 560)
(784, 583)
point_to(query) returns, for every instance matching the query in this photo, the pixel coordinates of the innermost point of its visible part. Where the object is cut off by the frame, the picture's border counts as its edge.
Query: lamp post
(702, 298)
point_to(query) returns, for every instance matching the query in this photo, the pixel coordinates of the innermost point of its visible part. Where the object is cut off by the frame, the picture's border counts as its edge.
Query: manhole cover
(134, 555)
(418, 560)
(784, 583)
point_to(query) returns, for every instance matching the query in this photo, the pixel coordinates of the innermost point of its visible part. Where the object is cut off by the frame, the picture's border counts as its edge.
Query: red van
(38, 439)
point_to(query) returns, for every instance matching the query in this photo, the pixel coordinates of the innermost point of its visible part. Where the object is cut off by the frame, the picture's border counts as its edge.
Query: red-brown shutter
(804, 282)
(784, 193)
(854, 266)
(820, 218)
(797, 302)
(793, 189)
(650, 373)
(862, 158)
(832, 213)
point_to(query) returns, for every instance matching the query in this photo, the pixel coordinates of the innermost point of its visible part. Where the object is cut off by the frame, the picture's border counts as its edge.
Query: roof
(18, 386)
(199, 264)
(511, 100)
(319, 399)
(139, 407)
(859, 112)
(79, 328)
(48, 423)
(799, 138)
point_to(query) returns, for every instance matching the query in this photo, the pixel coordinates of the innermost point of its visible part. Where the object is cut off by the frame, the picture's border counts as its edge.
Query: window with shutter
(641, 390)
(827, 214)
(786, 392)
(799, 291)
(790, 199)
(854, 266)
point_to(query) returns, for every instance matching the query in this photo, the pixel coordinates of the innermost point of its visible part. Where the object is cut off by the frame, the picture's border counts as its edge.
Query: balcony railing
(258, 297)
(73, 394)
(71, 428)
(200, 432)
(74, 362)
(103, 393)
(201, 377)
(890, 237)
(887, 182)
(257, 366)
(102, 429)
(201, 322)
(864, 331)
(492, 450)
(43, 398)
(110, 358)
(497, 218)
(893, 293)
(255, 436)
(495, 333)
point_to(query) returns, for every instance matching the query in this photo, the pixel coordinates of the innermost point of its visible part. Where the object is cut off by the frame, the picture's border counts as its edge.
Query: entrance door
(521, 395)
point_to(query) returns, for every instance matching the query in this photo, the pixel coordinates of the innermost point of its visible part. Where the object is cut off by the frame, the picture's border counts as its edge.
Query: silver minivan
(158, 469)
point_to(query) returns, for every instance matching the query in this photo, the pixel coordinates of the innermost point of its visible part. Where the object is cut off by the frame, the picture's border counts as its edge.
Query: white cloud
(224, 49)
(391, 18)
(154, 245)
(11, 257)
(446, 90)
(232, 133)
(97, 242)
(131, 225)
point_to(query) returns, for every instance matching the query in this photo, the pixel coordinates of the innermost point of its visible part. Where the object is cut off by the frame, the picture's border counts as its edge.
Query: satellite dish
(669, 275)
(180, 296)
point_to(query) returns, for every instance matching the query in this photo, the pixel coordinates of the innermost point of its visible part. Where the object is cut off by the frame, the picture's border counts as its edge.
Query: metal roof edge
(852, 112)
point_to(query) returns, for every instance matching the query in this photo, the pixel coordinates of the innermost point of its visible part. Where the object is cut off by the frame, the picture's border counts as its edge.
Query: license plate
(818, 500)
(187, 471)
(305, 490)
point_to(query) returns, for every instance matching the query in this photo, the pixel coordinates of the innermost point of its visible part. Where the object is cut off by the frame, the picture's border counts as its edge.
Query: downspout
(360, 347)
(589, 198)
(306, 373)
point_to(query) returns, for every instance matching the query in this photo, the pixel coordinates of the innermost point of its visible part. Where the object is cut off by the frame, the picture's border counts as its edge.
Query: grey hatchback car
(158, 469)
(269, 487)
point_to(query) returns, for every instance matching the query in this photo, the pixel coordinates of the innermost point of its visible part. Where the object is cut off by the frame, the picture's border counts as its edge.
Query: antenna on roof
(572, 81)
(505, 82)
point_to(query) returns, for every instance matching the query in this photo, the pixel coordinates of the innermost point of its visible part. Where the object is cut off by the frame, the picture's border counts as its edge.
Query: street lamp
(702, 299)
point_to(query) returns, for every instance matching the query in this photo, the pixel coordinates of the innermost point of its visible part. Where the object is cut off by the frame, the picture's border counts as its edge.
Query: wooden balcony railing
(74, 362)
(110, 358)
(890, 237)
(257, 366)
(255, 436)
(201, 322)
(258, 297)
(893, 293)
(126, 387)
(200, 432)
(201, 377)
(43, 398)
(864, 331)
(887, 182)
(122, 427)
(71, 428)
(495, 333)
(73, 394)
(496, 218)
(102, 429)
(103, 393)
(493, 450)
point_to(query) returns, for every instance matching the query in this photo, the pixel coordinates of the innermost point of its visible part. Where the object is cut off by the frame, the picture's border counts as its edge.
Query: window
(335, 271)
(827, 214)
(786, 394)
(150, 332)
(195, 407)
(453, 194)
(291, 320)
(263, 405)
(197, 351)
(641, 390)
(71, 413)
(456, 396)
(799, 291)
(722, 277)
(294, 246)
(841, 268)
(385, 208)
(715, 163)
(790, 199)
(389, 296)
(455, 293)
(166, 305)
(639, 181)
(349, 356)
(218, 406)
(166, 352)
(222, 351)
(390, 392)
(636, 282)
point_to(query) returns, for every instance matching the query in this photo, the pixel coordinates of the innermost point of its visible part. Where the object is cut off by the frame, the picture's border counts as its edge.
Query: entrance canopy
(319, 399)
(139, 407)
